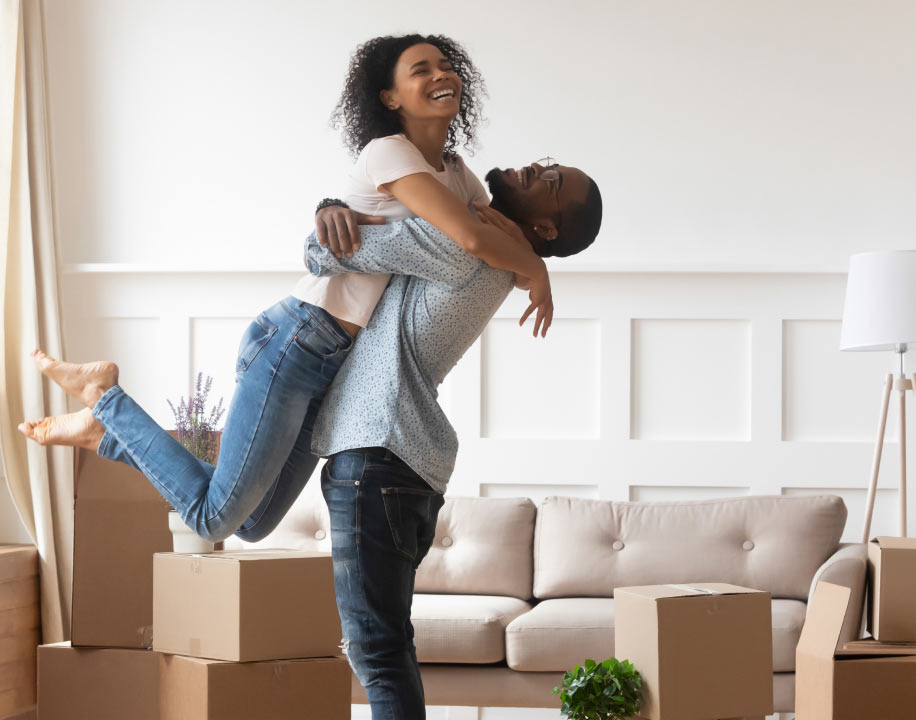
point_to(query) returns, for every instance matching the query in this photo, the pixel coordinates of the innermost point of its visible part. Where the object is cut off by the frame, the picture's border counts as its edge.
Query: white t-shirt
(353, 296)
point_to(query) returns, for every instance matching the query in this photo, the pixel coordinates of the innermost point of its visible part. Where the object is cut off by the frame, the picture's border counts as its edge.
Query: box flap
(242, 555)
(656, 592)
(895, 543)
(821, 632)
(870, 646)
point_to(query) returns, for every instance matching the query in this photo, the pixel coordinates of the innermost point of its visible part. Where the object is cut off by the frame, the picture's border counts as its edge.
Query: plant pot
(184, 539)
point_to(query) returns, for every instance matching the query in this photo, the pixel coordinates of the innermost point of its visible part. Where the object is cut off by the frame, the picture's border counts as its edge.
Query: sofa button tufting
(748, 545)
(618, 545)
(320, 534)
(446, 542)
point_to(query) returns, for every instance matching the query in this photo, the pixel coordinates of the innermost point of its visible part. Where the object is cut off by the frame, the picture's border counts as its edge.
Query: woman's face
(425, 85)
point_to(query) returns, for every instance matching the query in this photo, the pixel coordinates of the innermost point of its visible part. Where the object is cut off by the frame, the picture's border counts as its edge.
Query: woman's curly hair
(361, 113)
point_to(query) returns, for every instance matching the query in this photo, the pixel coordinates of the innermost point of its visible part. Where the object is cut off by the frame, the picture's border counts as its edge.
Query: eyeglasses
(551, 176)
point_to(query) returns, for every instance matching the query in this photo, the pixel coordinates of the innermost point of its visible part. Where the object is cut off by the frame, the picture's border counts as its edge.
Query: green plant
(195, 428)
(610, 690)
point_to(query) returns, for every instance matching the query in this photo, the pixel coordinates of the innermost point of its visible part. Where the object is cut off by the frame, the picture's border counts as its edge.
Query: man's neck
(430, 140)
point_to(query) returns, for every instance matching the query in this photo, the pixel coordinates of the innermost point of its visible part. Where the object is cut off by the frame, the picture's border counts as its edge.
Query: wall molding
(554, 266)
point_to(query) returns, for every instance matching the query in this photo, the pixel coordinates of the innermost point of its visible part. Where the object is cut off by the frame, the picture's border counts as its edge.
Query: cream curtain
(40, 479)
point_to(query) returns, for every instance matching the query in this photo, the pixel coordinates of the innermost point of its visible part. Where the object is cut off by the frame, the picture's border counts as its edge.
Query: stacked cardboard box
(19, 627)
(892, 589)
(248, 634)
(861, 679)
(704, 650)
(222, 635)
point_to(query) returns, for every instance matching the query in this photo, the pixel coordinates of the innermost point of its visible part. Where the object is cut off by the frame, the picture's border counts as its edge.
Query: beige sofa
(511, 594)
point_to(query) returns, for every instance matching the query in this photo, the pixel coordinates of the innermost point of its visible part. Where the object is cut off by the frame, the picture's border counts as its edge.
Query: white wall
(765, 132)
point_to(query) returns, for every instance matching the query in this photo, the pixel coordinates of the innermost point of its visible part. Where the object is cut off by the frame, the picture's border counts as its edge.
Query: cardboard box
(20, 630)
(704, 650)
(863, 679)
(892, 589)
(120, 522)
(200, 689)
(246, 605)
(97, 683)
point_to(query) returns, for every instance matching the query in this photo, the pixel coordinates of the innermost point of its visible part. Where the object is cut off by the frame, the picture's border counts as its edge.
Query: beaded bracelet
(328, 202)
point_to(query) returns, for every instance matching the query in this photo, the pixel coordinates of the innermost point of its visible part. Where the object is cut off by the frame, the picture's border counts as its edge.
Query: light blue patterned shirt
(437, 304)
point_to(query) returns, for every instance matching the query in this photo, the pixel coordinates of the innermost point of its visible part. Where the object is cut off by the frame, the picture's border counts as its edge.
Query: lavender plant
(196, 427)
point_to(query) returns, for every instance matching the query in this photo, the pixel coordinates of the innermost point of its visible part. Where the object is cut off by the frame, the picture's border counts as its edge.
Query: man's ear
(388, 99)
(546, 230)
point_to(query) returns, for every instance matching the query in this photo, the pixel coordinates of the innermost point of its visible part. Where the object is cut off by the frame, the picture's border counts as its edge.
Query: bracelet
(327, 202)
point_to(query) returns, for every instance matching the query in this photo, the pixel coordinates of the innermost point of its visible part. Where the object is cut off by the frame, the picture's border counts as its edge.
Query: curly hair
(362, 115)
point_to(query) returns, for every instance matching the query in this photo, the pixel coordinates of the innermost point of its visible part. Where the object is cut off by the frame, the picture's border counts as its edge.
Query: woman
(407, 103)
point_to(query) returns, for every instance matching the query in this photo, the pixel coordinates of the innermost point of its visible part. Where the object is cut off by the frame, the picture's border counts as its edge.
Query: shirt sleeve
(406, 247)
(391, 158)
(476, 189)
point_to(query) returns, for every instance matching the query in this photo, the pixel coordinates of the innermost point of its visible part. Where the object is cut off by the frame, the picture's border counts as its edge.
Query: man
(391, 449)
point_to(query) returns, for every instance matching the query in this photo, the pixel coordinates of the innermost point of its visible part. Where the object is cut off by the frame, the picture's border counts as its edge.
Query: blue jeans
(287, 358)
(383, 522)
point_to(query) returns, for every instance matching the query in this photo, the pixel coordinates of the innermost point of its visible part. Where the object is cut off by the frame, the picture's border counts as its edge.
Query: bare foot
(78, 429)
(86, 382)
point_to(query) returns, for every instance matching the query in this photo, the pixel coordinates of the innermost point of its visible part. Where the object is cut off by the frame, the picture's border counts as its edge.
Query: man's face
(537, 205)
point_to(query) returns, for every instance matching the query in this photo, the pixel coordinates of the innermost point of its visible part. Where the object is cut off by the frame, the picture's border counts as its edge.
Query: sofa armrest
(846, 567)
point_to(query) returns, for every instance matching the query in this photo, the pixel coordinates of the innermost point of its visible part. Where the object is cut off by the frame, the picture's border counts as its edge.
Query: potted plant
(196, 429)
(610, 690)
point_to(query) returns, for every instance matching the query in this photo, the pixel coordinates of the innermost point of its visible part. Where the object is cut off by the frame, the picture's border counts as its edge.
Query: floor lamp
(880, 315)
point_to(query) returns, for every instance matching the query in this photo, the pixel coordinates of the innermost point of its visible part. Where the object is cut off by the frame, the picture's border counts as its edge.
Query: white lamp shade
(880, 308)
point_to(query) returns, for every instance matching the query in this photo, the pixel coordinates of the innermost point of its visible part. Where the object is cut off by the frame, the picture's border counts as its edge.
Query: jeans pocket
(345, 468)
(315, 340)
(253, 340)
(412, 517)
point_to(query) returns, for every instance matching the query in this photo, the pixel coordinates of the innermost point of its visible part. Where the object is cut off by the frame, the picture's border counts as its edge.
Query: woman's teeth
(440, 94)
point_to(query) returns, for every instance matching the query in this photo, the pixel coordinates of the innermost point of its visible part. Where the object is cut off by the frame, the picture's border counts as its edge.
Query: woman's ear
(388, 99)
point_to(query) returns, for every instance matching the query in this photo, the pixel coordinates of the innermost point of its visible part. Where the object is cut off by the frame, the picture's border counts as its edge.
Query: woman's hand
(337, 228)
(539, 292)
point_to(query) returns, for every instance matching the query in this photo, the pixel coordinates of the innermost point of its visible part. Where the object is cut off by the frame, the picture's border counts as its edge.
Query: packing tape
(694, 590)
(145, 636)
(195, 565)
(194, 647)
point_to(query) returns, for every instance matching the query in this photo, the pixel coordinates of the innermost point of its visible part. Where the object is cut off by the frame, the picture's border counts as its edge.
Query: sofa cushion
(483, 546)
(558, 634)
(788, 618)
(463, 628)
(586, 548)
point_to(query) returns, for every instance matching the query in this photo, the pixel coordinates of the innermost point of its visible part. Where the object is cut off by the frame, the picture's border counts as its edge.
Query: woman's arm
(429, 199)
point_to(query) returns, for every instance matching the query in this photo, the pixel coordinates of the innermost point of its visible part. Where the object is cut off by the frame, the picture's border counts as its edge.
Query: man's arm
(406, 247)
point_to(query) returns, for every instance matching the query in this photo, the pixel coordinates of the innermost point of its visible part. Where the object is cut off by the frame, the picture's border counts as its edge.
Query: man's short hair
(579, 226)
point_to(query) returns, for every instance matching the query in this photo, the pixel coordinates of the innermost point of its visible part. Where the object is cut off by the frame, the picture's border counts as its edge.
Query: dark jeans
(383, 521)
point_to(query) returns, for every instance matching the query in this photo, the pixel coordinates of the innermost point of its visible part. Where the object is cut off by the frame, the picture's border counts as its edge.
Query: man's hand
(337, 228)
(542, 300)
(490, 216)
(538, 287)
